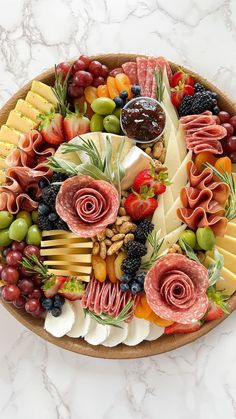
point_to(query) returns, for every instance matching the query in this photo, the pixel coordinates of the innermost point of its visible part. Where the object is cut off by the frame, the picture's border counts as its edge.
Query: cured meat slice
(142, 72)
(176, 289)
(149, 76)
(115, 71)
(87, 205)
(130, 69)
(154, 85)
(161, 64)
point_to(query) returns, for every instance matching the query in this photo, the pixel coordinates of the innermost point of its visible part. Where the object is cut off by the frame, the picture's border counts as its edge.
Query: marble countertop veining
(37, 379)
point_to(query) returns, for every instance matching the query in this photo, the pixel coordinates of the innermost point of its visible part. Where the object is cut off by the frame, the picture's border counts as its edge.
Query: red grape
(75, 91)
(37, 280)
(32, 250)
(10, 292)
(1, 268)
(229, 128)
(6, 251)
(232, 156)
(85, 59)
(10, 275)
(14, 258)
(63, 68)
(217, 119)
(97, 81)
(19, 302)
(24, 272)
(95, 67)
(38, 312)
(32, 305)
(231, 143)
(82, 78)
(224, 116)
(19, 246)
(26, 285)
(104, 71)
(78, 65)
(37, 293)
(232, 121)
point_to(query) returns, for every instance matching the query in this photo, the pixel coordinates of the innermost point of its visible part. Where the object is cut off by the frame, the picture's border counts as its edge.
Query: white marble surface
(38, 380)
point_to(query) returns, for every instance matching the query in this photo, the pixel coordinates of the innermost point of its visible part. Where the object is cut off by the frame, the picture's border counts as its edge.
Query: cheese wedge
(172, 220)
(180, 139)
(172, 238)
(228, 243)
(20, 122)
(27, 110)
(135, 161)
(172, 158)
(39, 102)
(169, 108)
(45, 91)
(168, 199)
(229, 260)
(158, 218)
(9, 135)
(231, 229)
(180, 178)
(3, 164)
(5, 149)
(2, 177)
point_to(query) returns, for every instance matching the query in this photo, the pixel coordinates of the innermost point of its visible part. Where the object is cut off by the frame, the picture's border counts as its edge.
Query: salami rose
(176, 289)
(87, 205)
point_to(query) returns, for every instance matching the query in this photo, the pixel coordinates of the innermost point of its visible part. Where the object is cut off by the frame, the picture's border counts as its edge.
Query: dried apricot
(112, 87)
(90, 93)
(110, 262)
(204, 157)
(99, 268)
(102, 91)
(123, 83)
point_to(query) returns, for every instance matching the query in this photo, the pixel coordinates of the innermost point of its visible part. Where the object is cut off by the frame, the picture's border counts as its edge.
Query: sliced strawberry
(181, 77)
(52, 285)
(182, 328)
(214, 312)
(153, 181)
(177, 97)
(75, 123)
(188, 90)
(51, 128)
(72, 289)
(142, 205)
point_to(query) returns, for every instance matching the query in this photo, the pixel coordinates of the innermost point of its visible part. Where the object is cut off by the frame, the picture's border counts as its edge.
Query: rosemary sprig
(159, 84)
(87, 146)
(60, 90)
(156, 244)
(107, 320)
(214, 269)
(189, 251)
(62, 166)
(34, 266)
(227, 178)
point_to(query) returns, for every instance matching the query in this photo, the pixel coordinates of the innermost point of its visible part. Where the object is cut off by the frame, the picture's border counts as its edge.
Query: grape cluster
(229, 143)
(21, 288)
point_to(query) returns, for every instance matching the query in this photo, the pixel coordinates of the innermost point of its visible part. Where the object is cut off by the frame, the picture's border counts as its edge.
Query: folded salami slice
(87, 205)
(130, 69)
(115, 71)
(176, 289)
(151, 64)
(142, 72)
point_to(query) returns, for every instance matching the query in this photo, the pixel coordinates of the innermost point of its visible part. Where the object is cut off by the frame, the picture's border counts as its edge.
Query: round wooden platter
(164, 343)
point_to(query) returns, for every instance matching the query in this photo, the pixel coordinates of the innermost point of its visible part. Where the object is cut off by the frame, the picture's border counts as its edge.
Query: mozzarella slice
(155, 332)
(60, 326)
(138, 330)
(135, 161)
(116, 336)
(81, 325)
(97, 333)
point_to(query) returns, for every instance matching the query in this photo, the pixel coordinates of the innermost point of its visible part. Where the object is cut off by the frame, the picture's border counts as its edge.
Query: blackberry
(59, 177)
(44, 223)
(131, 265)
(49, 195)
(198, 87)
(61, 225)
(135, 249)
(144, 228)
(202, 102)
(186, 106)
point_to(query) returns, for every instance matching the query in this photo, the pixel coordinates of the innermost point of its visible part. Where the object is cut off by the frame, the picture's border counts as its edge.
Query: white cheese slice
(172, 220)
(172, 158)
(116, 336)
(166, 81)
(168, 199)
(60, 326)
(138, 330)
(181, 177)
(81, 325)
(135, 161)
(167, 130)
(171, 238)
(227, 242)
(155, 332)
(231, 229)
(158, 218)
(170, 109)
(97, 333)
(181, 142)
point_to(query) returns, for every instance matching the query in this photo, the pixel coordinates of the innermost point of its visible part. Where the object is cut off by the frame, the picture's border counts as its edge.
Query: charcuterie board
(93, 269)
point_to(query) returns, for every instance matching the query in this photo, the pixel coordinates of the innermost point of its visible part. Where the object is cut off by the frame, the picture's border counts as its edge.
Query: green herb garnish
(156, 244)
(219, 298)
(60, 90)
(34, 266)
(189, 251)
(214, 269)
(159, 84)
(107, 320)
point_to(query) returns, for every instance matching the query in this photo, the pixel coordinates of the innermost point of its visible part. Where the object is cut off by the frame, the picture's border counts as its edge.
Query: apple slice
(116, 336)
(138, 330)
(60, 326)
(81, 325)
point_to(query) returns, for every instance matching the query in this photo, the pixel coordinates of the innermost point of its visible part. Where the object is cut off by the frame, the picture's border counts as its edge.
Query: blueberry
(140, 278)
(124, 286)
(136, 287)
(136, 90)
(56, 311)
(216, 110)
(123, 94)
(52, 216)
(118, 101)
(127, 278)
(58, 301)
(47, 303)
(43, 209)
(43, 183)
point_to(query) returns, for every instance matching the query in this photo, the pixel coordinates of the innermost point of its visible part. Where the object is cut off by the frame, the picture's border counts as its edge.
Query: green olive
(96, 123)
(6, 219)
(26, 216)
(18, 229)
(189, 237)
(111, 124)
(34, 235)
(4, 237)
(205, 238)
(103, 105)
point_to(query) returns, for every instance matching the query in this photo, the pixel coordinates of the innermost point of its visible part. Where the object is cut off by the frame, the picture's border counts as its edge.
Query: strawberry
(51, 128)
(72, 289)
(178, 93)
(152, 180)
(75, 123)
(52, 285)
(214, 312)
(141, 205)
(181, 77)
(182, 328)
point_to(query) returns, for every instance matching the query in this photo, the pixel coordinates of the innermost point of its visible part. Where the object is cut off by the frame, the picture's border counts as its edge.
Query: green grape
(18, 229)
(34, 216)
(6, 219)
(4, 238)
(189, 237)
(25, 216)
(117, 112)
(103, 105)
(96, 123)
(205, 238)
(111, 124)
(34, 235)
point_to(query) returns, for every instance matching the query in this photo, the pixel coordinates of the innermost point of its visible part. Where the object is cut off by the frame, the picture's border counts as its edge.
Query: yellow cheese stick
(227, 281)
(227, 243)
(64, 234)
(9, 135)
(19, 122)
(45, 91)
(65, 241)
(58, 251)
(27, 110)
(65, 272)
(39, 102)
(67, 259)
(229, 260)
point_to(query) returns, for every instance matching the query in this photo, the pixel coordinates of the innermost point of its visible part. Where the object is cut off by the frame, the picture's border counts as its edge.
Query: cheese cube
(135, 161)
(9, 135)
(27, 110)
(45, 91)
(3, 163)
(39, 102)
(18, 121)
(6, 148)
